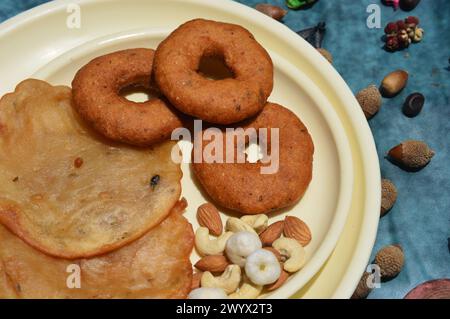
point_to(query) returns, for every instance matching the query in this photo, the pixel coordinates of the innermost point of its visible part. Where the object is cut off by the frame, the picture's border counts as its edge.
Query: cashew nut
(236, 225)
(293, 252)
(207, 246)
(247, 290)
(240, 245)
(418, 35)
(229, 281)
(207, 293)
(258, 222)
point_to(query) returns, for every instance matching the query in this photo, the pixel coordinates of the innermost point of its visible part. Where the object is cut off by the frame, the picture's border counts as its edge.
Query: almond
(214, 263)
(208, 216)
(196, 278)
(281, 280)
(297, 229)
(275, 252)
(272, 233)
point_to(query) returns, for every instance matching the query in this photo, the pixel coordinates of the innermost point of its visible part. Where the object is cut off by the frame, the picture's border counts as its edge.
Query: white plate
(325, 204)
(304, 82)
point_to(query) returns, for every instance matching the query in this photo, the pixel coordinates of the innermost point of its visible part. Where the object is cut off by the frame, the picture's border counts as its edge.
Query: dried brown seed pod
(390, 259)
(326, 54)
(362, 290)
(388, 196)
(213, 263)
(411, 154)
(394, 82)
(272, 11)
(370, 100)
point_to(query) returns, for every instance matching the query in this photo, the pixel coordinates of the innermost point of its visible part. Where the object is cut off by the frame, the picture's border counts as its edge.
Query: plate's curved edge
(372, 178)
(346, 184)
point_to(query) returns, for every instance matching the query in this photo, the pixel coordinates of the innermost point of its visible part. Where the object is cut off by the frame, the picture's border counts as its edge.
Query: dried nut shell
(196, 278)
(272, 233)
(388, 196)
(297, 229)
(208, 216)
(326, 54)
(390, 259)
(411, 154)
(394, 82)
(281, 280)
(362, 290)
(272, 11)
(214, 263)
(275, 252)
(370, 100)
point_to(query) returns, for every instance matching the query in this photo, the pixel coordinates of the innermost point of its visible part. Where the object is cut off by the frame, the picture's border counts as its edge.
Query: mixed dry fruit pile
(248, 256)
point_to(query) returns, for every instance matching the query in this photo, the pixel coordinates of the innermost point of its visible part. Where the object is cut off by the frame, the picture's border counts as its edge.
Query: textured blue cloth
(420, 220)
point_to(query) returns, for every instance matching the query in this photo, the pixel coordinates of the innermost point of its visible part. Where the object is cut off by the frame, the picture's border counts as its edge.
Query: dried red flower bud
(401, 25)
(391, 28)
(412, 20)
(392, 43)
(403, 39)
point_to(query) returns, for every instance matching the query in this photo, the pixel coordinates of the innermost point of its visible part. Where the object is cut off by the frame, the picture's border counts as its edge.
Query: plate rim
(323, 106)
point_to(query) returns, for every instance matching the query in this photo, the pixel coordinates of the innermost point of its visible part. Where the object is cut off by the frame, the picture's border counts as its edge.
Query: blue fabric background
(420, 221)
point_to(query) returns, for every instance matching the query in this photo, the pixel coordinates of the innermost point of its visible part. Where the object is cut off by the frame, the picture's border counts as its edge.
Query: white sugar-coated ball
(240, 245)
(262, 267)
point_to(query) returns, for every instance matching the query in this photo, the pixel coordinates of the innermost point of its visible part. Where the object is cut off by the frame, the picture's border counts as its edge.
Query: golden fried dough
(67, 191)
(230, 100)
(96, 97)
(155, 266)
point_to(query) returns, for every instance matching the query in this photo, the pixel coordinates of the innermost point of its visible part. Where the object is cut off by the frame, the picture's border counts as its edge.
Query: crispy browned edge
(10, 218)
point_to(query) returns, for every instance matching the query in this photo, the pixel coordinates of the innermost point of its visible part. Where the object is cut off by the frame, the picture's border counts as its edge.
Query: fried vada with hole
(241, 186)
(225, 101)
(97, 98)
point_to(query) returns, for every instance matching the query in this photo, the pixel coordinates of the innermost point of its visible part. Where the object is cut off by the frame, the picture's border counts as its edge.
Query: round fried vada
(97, 98)
(241, 186)
(224, 101)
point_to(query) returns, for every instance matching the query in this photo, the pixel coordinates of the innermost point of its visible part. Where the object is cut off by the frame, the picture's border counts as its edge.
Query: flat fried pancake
(155, 266)
(69, 192)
